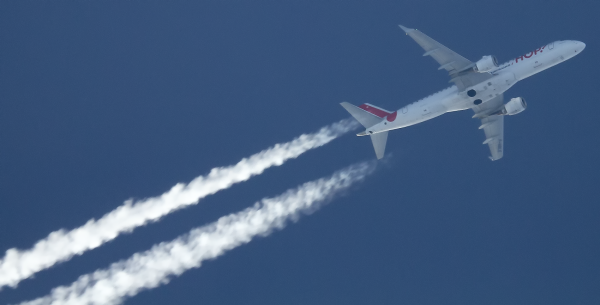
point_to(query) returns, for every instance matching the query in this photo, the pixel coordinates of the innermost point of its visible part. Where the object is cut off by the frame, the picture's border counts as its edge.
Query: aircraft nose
(579, 46)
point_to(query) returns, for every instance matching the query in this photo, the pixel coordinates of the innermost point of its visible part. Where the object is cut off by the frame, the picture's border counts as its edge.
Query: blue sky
(101, 101)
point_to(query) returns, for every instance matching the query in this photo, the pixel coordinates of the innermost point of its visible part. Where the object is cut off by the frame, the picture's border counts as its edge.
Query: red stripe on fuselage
(378, 112)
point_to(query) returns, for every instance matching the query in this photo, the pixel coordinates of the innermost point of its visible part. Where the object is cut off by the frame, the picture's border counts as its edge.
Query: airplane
(479, 86)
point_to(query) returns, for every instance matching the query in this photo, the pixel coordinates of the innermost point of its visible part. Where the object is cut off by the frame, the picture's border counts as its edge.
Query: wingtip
(405, 29)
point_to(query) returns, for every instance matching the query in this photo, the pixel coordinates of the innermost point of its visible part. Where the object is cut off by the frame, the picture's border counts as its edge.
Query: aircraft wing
(459, 68)
(492, 125)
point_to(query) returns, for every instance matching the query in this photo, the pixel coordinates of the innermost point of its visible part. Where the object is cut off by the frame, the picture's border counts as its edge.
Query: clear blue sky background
(101, 101)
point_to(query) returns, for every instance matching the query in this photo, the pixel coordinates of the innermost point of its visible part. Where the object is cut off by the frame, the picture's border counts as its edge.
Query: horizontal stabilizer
(379, 140)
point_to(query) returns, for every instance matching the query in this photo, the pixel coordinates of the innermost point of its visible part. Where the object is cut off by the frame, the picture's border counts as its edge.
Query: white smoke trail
(61, 245)
(149, 269)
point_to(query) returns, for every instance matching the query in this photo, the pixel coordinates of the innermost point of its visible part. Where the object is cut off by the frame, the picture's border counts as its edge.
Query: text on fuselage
(528, 55)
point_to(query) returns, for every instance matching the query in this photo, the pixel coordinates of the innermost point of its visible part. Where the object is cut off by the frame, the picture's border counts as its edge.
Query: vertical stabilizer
(379, 140)
(365, 118)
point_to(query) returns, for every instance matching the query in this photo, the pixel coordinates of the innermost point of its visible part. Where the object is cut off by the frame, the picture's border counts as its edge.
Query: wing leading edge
(459, 68)
(447, 58)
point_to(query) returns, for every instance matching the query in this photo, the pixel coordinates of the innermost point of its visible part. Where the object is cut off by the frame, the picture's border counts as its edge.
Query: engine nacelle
(514, 106)
(486, 64)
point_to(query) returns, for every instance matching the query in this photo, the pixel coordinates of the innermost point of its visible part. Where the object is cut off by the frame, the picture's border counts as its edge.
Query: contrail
(61, 245)
(149, 269)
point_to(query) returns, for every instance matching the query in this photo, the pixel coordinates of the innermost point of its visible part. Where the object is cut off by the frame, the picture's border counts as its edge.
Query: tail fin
(367, 119)
(369, 115)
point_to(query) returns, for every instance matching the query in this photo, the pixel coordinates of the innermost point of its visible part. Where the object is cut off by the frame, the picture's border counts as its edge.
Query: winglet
(405, 29)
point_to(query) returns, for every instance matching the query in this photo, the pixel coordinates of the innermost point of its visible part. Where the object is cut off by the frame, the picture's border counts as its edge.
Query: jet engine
(486, 64)
(514, 106)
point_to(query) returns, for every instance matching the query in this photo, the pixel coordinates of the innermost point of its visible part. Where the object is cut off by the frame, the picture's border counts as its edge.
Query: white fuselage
(504, 77)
